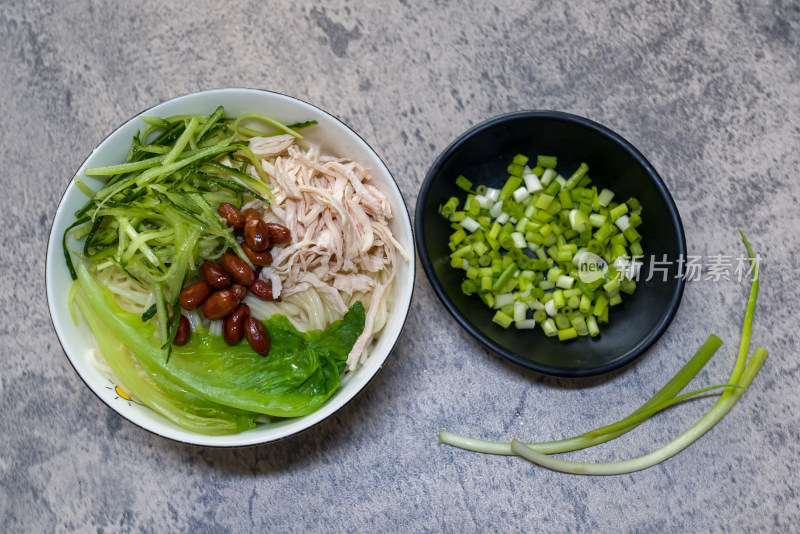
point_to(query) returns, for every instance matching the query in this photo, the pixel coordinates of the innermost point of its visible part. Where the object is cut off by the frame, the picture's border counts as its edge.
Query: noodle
(131, 296)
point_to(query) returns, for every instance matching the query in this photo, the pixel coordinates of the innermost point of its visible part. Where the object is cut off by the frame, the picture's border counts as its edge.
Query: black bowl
(482, 155)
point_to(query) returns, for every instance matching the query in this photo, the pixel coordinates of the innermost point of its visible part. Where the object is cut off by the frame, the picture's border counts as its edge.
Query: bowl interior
(482, 155)
(335, 138)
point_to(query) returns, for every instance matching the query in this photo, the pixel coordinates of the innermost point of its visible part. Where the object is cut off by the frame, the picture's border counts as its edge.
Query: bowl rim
(411, 262)
(427, 263)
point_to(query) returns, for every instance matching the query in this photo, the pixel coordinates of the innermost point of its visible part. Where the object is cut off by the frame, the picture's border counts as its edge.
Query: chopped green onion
(549, 327)
(463, 183)
(568, 333)
(576, 176)
(530, 239)
(503, 299)
(532, 183)
(547, 162)
(605, 197)
(618, 211)
(470, 224)
(520, 159)
(502, 319)
(520, 194)
(565, 282)
(449, 207)
(591, 323)
(519, 240)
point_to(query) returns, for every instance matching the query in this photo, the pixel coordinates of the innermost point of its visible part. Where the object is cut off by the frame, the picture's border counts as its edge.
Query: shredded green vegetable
(156, 218)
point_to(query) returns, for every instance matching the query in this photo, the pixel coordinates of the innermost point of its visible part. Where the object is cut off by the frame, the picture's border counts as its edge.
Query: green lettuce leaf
(300, 373)
(167, 398)
(336, 341)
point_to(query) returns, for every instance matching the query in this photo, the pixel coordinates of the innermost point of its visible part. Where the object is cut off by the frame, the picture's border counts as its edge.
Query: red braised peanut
(232, 216)
(238, 269)
(233, 325)
(278, 233)
(239, 290)
(261, 259)
(220, 304)
(194, 295)
(251, 213)
(256, 234)
(183, 333)
(256, 335)
(262, 290)
(214, 275)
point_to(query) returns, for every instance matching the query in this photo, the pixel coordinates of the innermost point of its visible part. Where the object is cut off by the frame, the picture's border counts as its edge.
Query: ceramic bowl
(336, 138)
(482, 155)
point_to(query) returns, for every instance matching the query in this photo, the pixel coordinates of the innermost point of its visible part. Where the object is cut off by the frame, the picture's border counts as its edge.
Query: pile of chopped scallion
(545, 250)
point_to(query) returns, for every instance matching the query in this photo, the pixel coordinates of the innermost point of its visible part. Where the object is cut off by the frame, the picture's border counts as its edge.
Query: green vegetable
(299, 375)
(502, 319)
(547, 162)
(156, 218)
(742, 376)
(463, 183)
(546, 226)
(173, 402)
(263, 118)
(669, 450)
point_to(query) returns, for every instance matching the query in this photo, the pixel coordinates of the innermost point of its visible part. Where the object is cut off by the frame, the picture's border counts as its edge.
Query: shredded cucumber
(156, 218)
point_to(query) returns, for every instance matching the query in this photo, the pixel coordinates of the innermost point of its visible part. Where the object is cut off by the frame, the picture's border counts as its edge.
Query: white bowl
(336, 138)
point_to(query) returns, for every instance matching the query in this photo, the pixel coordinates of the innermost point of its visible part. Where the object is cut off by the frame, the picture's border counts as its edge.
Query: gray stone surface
(709, 92)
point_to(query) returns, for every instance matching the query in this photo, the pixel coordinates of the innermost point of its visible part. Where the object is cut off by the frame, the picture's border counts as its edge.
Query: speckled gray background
(709, 92)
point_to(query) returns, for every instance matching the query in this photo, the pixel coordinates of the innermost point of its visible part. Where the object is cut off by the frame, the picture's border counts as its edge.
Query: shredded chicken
(341, 244)
(268, 147)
